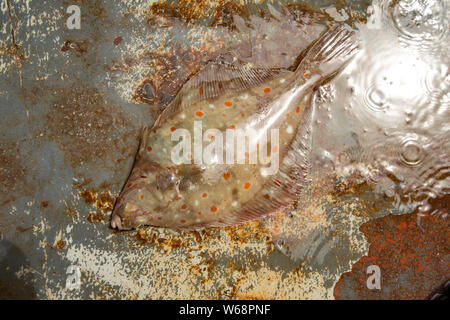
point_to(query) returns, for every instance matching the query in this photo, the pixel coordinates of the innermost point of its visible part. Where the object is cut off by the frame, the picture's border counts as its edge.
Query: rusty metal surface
(72, 103)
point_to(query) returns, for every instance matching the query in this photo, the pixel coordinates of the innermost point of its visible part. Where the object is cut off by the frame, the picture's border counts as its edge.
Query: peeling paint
(76, 100)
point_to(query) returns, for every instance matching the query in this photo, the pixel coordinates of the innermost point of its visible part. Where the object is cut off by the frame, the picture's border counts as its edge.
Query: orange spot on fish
(247, 185)
(306, 74)
(298, 110)
(182, 221)
(277, 182)
(142, 197)
(233, 127)
(287, 114)
(226, 175)
(210, 136)
(257, 146)
(204, 195)
(228, 103)
(266, 90)
(183, 206)
(213, 209)
(189, 156)
(267, 196)
(247, 155)
(172, 129)
(199, 213)
(149, 149)
(199, 113)
(201, 90)
(275, 149)
(224, 115)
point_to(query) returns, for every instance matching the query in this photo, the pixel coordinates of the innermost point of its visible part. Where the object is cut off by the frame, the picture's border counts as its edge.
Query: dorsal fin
(226, 75)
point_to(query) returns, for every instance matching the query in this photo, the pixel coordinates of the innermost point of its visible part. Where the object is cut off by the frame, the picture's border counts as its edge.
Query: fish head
(146, 196)
(124, 216)
(127, 213)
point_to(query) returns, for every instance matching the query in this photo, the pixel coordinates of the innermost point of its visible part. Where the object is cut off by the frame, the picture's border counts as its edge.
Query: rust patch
(186, 11)
(89, 196)
(69, 210)
(61, 244)
(96, 217)
(33, 95)
(244, 232)
(105, 201)
(171, 68)
(78, 47)
(412, 261)
(146, 92)
(118, 40)
(22, 230)
(223, 13)
(170, 72)
(119, 65)
(142, 236)
(85, 181)
(173, 240)
(13, 174)
(102, 200)
(85, 126)
(165, 244)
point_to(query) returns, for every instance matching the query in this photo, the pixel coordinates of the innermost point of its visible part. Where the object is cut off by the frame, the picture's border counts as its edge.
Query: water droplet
(326, 93)
(411, 152)
(376, 99)
(419, 23)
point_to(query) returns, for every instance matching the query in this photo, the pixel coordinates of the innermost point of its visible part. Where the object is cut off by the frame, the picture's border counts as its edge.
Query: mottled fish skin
(230, 96)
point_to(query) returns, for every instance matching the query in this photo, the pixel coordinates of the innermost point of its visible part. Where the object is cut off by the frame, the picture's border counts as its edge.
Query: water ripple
(423, 24)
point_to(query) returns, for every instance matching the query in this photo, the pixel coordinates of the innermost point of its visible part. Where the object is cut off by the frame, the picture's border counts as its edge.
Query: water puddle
(381, 133)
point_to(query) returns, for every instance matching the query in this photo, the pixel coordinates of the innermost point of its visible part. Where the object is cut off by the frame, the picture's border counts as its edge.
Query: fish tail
(329, 54)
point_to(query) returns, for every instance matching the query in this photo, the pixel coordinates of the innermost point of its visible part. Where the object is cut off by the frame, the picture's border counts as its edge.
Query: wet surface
(73, 102)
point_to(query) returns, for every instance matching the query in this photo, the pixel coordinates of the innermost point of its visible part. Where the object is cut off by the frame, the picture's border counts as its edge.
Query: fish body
(233, 146)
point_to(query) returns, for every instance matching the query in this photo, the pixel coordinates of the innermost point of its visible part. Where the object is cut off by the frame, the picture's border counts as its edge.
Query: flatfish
(234, 145)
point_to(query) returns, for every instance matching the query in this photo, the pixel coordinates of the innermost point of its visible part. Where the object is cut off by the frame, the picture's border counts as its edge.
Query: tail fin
(330, 53)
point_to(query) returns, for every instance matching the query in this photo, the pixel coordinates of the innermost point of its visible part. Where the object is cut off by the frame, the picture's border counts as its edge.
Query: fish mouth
(118, 221)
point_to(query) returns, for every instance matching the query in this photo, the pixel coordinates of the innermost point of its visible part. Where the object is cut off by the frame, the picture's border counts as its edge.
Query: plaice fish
(191, 172)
